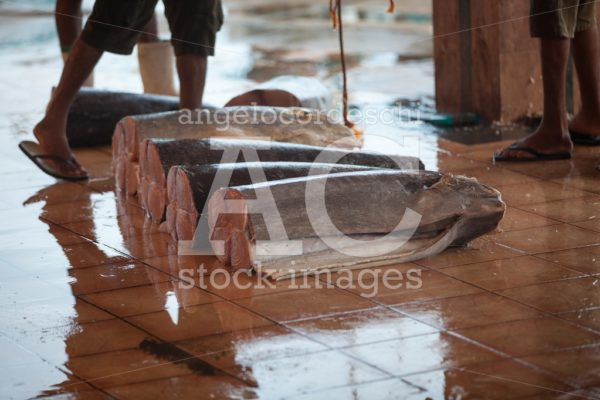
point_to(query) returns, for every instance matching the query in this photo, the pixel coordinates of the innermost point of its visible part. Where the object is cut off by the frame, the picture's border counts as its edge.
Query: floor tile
(91, 155)
(25, 179)
(468, 311)
(60, 192)
(185, 267)
(250, 345)
(35, 238)
(111, 277)
(57, 345)
(588, 318)
(561, 172)
(125, 367)
(305, 303)
(521, 194)
(186, 387)
(585, 178)
(546, 239)
(196, 321)
(560, 296)
(360, 327)
(388, 389)
(407, 356)
(240, 284)
(104, 230)
(286, 377)
(515, 219)
(495, 176)
(584, 259)
(148, 246)
(532, 336)
(592, 224)
(171, 296)
(432, 285)
(570, 210)
(54, 258)
(98, 205)
(578, 366)
(503, 379)
(48, 314)
(479, 250)
(16, 383)
(511, 272)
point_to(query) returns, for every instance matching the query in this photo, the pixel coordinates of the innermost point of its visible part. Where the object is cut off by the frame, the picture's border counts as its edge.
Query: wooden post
(485, 59)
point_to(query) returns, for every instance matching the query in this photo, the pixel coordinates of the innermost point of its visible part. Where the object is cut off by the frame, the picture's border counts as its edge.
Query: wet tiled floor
(93, 306)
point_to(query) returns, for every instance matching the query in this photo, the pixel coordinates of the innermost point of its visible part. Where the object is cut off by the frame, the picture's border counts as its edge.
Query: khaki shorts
(561, 18)
(115, 25)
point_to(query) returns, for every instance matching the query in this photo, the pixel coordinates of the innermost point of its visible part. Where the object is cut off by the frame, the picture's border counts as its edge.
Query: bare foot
(544, 141)
(55, 144)
(587, 123)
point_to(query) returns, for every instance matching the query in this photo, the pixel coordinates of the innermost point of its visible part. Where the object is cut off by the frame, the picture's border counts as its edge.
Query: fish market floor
(92, 305)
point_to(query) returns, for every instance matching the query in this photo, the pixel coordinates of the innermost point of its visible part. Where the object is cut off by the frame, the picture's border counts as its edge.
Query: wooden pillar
(485, 59)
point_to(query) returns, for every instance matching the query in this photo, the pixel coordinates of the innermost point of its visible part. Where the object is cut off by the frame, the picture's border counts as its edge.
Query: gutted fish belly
(446, 210)
(188, 187)
(291, 125)
(158, 156)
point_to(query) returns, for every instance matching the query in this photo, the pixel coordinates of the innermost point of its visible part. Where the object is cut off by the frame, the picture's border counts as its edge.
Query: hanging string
(343, 60)
(332, 14)
(335, 12)
(391, 7)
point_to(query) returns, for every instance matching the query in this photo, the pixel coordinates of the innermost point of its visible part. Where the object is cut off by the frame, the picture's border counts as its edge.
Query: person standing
(563, 25)
(155, 57)
(115, 26)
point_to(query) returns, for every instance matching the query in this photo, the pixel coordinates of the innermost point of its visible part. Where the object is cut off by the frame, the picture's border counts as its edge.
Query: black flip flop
(584, 139)
(34, 152)
(537, 156)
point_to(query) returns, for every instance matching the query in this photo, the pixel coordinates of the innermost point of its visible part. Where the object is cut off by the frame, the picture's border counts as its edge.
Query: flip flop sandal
(537, 156)
(584, 139)
(34, 152)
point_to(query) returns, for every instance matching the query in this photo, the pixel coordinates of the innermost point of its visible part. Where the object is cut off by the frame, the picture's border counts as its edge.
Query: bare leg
(587, 62)
(68, 22)
(150, 33)
(192, 77)
(51, 130)
(552, 136)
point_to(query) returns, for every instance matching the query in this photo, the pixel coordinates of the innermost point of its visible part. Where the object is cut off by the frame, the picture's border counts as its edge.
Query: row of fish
(275, 199)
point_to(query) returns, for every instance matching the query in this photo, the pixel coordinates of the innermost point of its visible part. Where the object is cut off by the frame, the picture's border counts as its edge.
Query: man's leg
(586, 55)
(193, 40)
(51, 131)
(552, 136)
(191, 69)
(68, 22)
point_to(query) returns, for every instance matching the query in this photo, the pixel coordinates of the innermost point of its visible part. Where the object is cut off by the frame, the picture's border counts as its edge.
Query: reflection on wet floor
(92, 304)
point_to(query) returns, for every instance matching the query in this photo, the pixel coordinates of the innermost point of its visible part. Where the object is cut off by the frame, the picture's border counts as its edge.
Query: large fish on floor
(189, 187)
(94, 113)
(446, 210)
(291, 125)
(158, 156)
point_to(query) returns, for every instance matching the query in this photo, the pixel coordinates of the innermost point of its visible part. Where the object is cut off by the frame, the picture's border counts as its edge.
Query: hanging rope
(391, 7)
(335, 12)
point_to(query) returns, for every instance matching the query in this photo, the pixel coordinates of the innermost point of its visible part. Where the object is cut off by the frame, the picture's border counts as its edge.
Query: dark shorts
(561, 18)
(115, 25)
